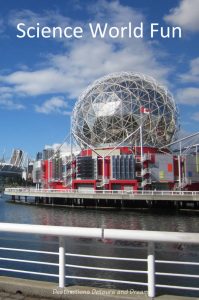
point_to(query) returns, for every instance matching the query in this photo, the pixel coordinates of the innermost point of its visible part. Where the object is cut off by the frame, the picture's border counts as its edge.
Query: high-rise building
(17, 157)
(48, 153)
(39, 156)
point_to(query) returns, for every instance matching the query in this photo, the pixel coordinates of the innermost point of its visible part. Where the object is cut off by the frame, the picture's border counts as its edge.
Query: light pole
(71, 151)
(141, 152)
(179, 167)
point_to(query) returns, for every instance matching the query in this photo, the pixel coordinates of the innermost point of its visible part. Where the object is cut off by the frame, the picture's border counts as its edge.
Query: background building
(17, 157)
(11, 170)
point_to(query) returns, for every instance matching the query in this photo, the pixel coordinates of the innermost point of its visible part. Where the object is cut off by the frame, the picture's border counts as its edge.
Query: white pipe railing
(151, 237)
(151, 269)
(61, 262)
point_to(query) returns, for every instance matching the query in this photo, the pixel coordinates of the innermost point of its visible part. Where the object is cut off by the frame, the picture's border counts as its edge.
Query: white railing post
(151, 270)
(61, 262)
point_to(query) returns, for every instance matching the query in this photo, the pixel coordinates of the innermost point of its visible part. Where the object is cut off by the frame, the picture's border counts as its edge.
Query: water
(163, 220)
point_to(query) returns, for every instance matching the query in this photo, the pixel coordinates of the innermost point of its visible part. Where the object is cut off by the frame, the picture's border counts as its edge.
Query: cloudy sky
(40, 79)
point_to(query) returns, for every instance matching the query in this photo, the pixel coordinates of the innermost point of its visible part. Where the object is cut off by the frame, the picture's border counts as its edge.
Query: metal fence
(64, 233)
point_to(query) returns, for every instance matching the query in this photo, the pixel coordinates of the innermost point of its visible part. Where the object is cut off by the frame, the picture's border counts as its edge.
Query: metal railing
(148, 237)
(92, 191)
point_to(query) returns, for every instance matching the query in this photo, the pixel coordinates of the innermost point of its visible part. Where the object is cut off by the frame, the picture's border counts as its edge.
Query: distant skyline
(40, 79)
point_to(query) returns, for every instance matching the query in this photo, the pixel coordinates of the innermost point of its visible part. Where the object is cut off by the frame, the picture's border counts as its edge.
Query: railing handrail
(104, 233)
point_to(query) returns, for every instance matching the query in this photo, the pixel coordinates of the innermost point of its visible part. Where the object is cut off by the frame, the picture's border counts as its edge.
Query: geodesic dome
(112, 110)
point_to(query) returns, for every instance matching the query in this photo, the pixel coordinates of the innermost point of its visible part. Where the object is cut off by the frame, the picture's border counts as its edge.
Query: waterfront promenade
(16, 289)
(104, 198)
(98, 253)
(104, 194)
(15, 261)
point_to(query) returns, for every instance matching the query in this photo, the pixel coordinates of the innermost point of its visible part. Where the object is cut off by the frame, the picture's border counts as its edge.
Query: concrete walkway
(22, 289)
(46, 194)
(18, 296)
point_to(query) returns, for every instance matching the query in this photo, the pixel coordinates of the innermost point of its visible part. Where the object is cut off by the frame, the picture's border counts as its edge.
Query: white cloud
(2, 26)
(9, 104)
(65, 148)
(188, 96)
(43, 81)
(193, 74)
(71, 72)
(85, 60)
(5, 90)
(185, 15)
(195, 116)
(114, 12)
(54, 105)
(30, 18)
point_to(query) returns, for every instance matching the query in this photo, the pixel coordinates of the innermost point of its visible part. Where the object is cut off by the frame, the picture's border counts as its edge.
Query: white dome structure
(117, 105)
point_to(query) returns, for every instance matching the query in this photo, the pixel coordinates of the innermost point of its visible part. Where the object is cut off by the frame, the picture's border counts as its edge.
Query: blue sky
(40, 79)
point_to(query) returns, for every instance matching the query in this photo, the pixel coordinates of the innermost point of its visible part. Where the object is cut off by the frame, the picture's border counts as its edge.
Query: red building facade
(122, 168)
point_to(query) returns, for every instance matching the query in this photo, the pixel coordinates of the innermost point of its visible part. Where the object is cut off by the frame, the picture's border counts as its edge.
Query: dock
(105, 198)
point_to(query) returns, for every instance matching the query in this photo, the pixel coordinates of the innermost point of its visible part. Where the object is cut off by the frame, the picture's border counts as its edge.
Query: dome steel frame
(116, 105)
